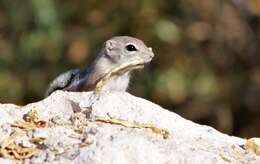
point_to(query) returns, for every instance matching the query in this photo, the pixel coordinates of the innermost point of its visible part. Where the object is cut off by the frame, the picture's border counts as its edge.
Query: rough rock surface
(73, 133)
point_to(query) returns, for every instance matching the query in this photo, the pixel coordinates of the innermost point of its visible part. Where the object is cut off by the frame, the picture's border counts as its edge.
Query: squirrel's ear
(110, 45)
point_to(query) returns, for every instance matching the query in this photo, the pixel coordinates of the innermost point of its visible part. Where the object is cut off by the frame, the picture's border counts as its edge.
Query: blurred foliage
(207, 64)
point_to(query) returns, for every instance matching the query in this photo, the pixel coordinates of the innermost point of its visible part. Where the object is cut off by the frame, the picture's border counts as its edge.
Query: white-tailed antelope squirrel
(115, 52)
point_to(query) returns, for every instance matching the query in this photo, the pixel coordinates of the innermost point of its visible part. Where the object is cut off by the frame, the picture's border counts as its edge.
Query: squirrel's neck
(97, 70)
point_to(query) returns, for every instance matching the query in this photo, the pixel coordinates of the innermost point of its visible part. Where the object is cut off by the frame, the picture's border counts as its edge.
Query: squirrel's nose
(151, 52)
(152, 55)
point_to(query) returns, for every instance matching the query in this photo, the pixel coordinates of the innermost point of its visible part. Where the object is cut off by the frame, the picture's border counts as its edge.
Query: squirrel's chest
(117, 83)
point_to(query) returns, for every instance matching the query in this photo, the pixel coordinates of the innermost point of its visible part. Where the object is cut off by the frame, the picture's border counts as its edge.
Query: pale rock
(187, 142)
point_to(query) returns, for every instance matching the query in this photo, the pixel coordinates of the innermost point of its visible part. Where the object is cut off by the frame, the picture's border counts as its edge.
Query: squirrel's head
(123, 49)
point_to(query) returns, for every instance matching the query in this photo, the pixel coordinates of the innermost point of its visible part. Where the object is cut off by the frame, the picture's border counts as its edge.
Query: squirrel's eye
(130, 47)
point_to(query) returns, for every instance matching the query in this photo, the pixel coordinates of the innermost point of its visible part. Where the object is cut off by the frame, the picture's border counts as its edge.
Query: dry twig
(115, 71)
(134, 124)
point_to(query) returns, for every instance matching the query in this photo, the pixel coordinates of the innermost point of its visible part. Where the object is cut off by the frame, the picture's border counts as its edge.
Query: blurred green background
(207, 63)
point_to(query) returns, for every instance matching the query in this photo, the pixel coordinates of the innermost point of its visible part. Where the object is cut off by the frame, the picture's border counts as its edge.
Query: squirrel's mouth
(136, 64)
(139, 66)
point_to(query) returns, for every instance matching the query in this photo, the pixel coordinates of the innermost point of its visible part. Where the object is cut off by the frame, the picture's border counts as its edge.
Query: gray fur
(63, 80)
(113, 54)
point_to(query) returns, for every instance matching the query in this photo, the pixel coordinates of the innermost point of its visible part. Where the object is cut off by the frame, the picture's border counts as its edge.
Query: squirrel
(115, 52)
